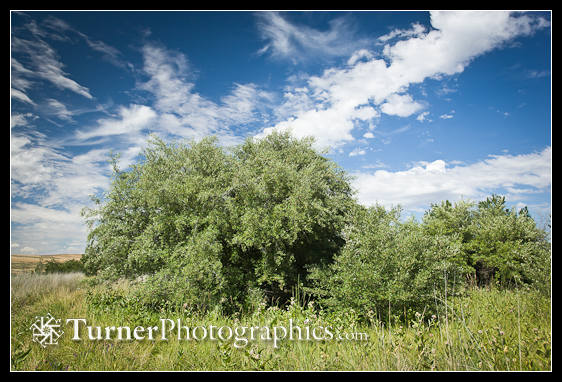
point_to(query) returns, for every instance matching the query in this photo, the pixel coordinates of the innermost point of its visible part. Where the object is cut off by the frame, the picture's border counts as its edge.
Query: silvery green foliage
(388, 264)
(498, 244)
(511, 244)
(215, 228)
(210, 223)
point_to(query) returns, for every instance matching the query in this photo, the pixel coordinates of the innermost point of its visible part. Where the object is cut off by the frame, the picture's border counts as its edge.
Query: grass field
(481, 330)
(27, 263)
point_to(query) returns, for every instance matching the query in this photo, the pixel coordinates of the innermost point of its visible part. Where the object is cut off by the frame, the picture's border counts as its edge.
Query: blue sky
(418, 106)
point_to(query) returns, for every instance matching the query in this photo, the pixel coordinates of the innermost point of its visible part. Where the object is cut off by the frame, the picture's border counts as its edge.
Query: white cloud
(400, 105)
(32, 163)
(48, 230)
(359, 55)
(537, 73)
(428, 182)
(19, 95)
(368, 135)
(457, 39)
(240, 106)
(45, 65)
(184, 112)
(54, 187)
(377, 164)
(300, 43)
(357, 152)
(59, 109)
(28, 250)
(446, 116)
(329, 127)
(129, 121)
(416, 30)
(422, 117)
(44, 62)
(19, 119)
(59, 27)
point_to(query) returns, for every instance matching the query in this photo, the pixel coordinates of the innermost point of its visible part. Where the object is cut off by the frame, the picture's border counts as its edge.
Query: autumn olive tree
(498, 244)
(207, 226)
(507, 246)
(388, 266)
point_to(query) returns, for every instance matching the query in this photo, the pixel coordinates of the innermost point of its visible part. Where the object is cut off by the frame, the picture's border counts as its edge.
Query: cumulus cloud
(368, 135)
(361, 54)
(456, 39)
(357, 152)
(400, 105)
(422, 117)
(427, 182)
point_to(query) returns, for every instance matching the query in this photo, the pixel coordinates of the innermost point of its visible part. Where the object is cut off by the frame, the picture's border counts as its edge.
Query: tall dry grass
(482, 330)
(27, 286)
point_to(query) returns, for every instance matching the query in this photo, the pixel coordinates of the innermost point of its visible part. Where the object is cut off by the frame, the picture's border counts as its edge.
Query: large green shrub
(391, 265)
(207, 224)
(498, 244)
(508, 245)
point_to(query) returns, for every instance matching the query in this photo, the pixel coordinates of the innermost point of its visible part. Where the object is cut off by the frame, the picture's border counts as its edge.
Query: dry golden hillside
(27, 263)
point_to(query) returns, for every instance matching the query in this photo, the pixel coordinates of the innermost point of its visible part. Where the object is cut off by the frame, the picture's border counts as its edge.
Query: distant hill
(27, 263)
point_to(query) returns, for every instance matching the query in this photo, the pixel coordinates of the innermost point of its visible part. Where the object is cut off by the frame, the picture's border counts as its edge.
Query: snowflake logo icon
(46, 330)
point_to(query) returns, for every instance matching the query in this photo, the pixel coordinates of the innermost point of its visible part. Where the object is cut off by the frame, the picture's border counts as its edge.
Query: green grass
(482, 330)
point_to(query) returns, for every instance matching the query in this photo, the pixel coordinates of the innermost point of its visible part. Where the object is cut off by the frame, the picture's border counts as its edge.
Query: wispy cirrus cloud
(415, 31)
(59, 27)
(184, 112)
(128, 122)
(40, 168)
(58, 109)
(297, 43)
(44, 64)
(21, 96)
(49, 187)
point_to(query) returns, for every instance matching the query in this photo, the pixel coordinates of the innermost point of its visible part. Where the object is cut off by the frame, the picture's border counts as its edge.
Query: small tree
(497, 243)
(508, 246)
